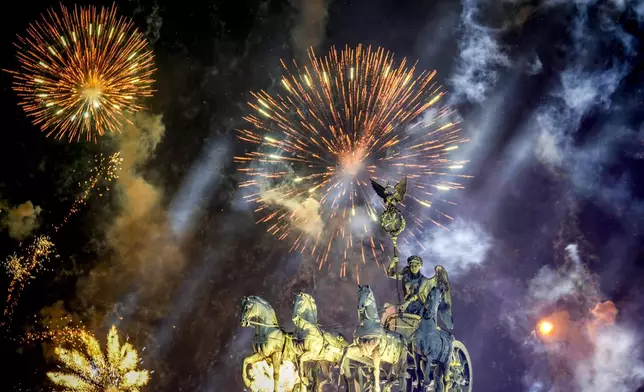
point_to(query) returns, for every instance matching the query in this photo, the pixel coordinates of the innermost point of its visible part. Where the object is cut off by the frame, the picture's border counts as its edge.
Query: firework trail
(82, 72)
(88, 369)
(26, 264)
(104, 168)
(23, 268)
(344, 118)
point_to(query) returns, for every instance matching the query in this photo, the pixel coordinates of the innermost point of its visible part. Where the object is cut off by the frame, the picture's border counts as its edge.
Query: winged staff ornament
(392, 220)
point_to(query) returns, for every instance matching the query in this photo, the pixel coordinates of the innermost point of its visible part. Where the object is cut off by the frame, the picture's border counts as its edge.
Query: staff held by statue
(392, 220)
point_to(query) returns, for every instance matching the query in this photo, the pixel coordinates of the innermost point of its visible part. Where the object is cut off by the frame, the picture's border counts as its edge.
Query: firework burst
(82, 72)
(88, 369)
(28, 262)
(23, 268)
(342, 119)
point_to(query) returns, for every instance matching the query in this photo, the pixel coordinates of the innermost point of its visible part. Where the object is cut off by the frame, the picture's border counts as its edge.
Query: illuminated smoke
(145, 254)
(305, 212)
(310, 25)
(586, 351)
(22, 220)
(199, 184)
(603, 356)
(616, 364)
(463, 246)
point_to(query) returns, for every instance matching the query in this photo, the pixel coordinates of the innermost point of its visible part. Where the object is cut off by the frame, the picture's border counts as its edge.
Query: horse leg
(439, 372)
(325, 369)
(401, 372)
(305, 357)
(344, 364)
(249, 361)
(415, 373)
(313, 375)
(362, 378)
(376, 369)
(419, 371)
(345, 368)
(389, 376)
(426, 380)
(277, 364)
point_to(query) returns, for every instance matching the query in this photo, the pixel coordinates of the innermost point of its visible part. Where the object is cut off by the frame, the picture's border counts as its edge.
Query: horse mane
(373, 307)
(310, 315)
(268, 307)
(369, 292)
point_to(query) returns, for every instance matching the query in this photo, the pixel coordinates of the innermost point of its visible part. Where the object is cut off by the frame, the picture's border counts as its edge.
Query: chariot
(457, 378)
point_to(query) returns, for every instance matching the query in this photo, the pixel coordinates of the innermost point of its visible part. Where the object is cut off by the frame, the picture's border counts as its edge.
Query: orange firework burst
(82, 72)
(344, 118)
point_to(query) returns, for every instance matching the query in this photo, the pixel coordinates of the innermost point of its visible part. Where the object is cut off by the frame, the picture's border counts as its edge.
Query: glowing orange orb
(545, 327)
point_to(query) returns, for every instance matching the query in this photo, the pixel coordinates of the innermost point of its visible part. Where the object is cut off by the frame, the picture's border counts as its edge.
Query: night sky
(550, 93)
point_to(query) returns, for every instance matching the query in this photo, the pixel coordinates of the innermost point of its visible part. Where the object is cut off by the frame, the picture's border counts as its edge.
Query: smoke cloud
(155, 22)
(600, 353)
(480, 59)
(305, 212)
(310, 25)
(616, 365)
(602, 356)
(21, 220)
(550, 285)
(145, 253)
(586, 87)
(462, 247)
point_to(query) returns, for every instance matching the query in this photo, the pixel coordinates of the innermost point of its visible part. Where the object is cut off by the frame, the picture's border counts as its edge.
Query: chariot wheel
(460, 369)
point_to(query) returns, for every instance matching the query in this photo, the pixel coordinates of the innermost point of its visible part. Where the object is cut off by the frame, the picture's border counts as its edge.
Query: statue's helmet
(414, 260)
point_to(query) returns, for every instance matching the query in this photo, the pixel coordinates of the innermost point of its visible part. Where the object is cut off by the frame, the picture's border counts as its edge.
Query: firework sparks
(22, 268)
(261, 374)
(104, 168)
(88, 369)
(347, 117)
(82, 72)
(59, 336)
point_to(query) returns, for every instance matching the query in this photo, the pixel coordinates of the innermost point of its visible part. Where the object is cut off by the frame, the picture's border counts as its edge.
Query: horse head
(254, 307)
(367, 302)
(305, 308)
(434, 297)
(248, 311)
